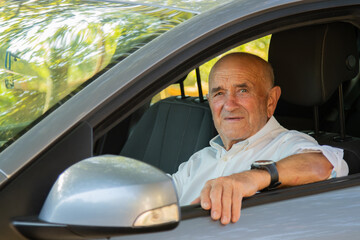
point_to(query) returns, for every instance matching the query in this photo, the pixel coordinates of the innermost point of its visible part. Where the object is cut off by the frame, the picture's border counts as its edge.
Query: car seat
(311, 64)
(171, 131)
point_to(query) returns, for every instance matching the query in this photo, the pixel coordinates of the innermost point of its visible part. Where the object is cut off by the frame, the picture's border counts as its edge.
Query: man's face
(238, 98)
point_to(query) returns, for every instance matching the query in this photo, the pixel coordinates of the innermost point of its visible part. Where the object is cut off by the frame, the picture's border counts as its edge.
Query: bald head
(242, 96)
(240, 60)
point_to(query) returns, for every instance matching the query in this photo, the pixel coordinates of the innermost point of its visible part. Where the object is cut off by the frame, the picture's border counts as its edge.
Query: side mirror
(105, 196)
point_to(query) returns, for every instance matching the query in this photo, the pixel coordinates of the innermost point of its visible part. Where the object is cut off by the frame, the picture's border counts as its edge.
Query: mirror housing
(106, 196)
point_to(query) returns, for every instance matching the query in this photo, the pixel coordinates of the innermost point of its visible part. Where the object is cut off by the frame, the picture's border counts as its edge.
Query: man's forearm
(294, 170)
(224, 195)
(303, 168)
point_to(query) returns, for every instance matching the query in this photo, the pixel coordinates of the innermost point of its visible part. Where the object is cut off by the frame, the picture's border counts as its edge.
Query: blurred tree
(48, 49)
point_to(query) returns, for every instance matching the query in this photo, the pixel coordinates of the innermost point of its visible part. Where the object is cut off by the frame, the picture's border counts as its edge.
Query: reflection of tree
(61, 44)
(195, 5)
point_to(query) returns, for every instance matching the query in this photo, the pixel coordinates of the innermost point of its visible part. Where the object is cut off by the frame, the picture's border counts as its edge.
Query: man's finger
(197, 200)
(226, 200)
(236, 205)
(215, 197)
(205, 197)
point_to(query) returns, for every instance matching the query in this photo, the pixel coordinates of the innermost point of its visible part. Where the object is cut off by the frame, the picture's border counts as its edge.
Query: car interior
(322, 99)
(321, 68)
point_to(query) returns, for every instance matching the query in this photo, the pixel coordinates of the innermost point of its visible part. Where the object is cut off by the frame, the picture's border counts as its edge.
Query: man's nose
(230, 103)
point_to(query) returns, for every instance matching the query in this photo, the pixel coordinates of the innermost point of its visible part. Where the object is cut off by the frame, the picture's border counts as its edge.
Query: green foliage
(48, 49)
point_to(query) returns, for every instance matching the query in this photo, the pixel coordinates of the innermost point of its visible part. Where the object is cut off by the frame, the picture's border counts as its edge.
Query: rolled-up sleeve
(296, 142)
(335, 157)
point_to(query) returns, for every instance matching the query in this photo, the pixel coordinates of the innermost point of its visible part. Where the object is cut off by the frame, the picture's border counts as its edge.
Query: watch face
(263, 162)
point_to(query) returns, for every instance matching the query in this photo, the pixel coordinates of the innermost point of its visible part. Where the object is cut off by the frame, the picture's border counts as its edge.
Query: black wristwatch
(269, 166)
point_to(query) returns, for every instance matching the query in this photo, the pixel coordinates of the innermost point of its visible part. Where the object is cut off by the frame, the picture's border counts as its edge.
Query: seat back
(310, 65)
(311, 62)
(170, 132)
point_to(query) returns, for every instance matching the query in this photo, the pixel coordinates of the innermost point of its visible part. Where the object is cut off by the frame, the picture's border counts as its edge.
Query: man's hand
(224, 195)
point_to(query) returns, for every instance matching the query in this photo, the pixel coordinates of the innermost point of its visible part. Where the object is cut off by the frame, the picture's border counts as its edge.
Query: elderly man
(243, 98)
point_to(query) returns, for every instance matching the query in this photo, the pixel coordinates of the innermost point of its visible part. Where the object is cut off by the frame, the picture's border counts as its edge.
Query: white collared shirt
(272, 142)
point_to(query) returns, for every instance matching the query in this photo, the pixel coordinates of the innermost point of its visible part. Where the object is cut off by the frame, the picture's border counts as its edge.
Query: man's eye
(243, 90)
(218, 94)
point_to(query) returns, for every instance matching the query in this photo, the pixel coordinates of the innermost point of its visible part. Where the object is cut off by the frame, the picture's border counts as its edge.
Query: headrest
(310, 62)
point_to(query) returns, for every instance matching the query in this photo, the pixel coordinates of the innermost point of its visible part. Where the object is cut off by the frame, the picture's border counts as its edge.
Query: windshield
(49, 50)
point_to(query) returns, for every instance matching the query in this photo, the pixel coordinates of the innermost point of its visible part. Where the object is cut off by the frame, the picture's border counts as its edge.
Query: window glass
(258, 47)
(193, 5)
(49, 49)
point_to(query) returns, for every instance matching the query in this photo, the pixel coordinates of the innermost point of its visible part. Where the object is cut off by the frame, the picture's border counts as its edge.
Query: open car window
(291, 116)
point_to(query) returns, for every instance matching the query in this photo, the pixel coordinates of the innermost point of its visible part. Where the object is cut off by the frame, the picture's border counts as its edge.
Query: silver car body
(327, 210)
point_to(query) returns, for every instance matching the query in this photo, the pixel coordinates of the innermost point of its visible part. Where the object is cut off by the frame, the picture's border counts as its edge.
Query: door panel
(330, 215)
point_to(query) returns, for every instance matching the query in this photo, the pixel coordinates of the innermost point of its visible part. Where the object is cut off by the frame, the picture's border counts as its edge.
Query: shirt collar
(272, 124)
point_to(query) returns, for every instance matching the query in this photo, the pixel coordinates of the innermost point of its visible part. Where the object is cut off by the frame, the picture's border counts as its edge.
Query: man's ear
(209, 101)
(207, 97)
(274, 95)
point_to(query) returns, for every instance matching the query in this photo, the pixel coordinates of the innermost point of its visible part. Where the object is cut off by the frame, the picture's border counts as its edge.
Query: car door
(315, 211)
(136, 79)
(329, 215)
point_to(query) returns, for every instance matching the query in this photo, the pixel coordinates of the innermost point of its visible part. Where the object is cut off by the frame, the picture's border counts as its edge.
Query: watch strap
(272, 170)
(274, 174)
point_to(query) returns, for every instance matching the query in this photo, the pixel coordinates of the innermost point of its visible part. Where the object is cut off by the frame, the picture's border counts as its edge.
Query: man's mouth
(233, 118)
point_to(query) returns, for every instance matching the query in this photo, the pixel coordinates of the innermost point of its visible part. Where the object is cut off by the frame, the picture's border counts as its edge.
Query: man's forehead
(237, 75)
(229, 72)
(236, 72)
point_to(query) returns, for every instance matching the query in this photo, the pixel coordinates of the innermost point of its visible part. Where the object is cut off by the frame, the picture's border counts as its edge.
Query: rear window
(259, 47)
(49, 50)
